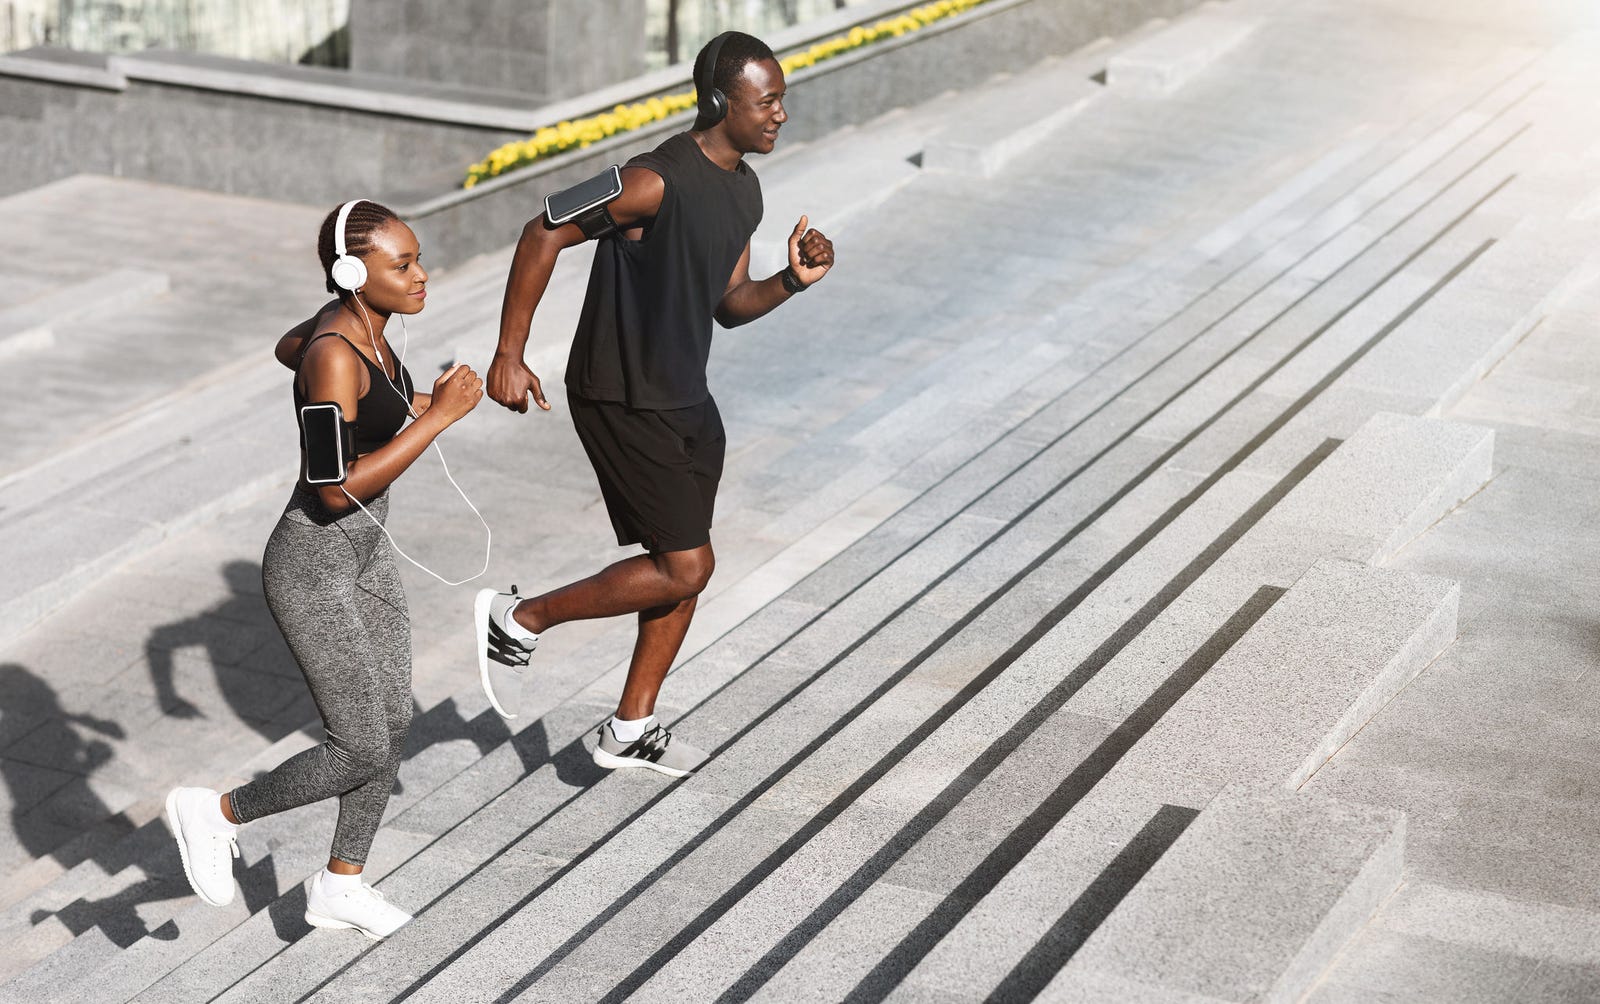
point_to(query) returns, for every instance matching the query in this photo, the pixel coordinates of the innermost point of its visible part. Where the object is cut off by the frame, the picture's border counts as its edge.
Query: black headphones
(713, 104)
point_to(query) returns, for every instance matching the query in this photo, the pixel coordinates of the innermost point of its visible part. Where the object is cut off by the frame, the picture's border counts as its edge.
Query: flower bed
(549, 141)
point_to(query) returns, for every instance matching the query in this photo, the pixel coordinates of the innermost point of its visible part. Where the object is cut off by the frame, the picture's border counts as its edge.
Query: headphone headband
(713, 103)
(348, 271)
(338, 227)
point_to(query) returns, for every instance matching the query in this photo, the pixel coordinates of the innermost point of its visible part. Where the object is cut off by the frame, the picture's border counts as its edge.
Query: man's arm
(745, 299)
(510, 381)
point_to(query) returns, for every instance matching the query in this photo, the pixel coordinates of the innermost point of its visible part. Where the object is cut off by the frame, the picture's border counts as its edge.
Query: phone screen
(559, 207)
(320, 434)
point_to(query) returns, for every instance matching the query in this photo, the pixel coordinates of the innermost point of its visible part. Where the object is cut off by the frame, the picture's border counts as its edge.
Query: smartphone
(565, 205)
(322, 436)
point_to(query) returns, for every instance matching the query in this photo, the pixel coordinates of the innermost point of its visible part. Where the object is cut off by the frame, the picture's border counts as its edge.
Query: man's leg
(645, 582)
(661, 632)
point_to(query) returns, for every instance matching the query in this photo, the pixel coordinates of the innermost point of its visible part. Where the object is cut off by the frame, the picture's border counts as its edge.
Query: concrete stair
(470, 896)
(289, 745)
(1169, 59)
(148, 840)
(1250, 903)
(984, 720)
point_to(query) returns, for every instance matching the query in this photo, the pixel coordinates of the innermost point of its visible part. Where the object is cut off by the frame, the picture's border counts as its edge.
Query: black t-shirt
(645, 332)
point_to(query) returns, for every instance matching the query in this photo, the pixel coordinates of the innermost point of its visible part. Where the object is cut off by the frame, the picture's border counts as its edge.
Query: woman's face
(396, 282)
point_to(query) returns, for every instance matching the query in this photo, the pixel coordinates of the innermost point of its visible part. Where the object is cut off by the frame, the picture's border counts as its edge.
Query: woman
(331, 583)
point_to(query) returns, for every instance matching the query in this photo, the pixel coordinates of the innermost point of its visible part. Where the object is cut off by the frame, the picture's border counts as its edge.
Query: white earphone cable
(488, 534)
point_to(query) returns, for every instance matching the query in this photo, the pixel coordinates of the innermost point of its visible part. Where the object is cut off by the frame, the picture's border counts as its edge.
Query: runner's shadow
(255, 674)
(46, 768)
(47, 762)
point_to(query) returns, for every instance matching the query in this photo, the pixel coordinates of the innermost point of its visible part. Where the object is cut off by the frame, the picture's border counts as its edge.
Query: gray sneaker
(656, 750)
(502, 659)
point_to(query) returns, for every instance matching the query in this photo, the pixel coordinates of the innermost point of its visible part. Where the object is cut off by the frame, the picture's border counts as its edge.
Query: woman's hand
(455, 393)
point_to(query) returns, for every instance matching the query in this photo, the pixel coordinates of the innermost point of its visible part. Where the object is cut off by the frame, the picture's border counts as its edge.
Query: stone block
(1405, 967)
(1332, 651)
(1391, 481)
(1011, 125)
(1252, 902)
(1169, 59)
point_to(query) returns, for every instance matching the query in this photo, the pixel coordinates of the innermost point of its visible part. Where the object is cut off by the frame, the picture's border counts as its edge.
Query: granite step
(1126, 703)
(486, 954)
(1172, 57)
(30, 325)
(752, 930)
(104, 915)
(1250, 904)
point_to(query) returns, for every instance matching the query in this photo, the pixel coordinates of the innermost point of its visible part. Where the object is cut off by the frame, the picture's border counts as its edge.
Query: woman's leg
(381, 606)
(310, 573)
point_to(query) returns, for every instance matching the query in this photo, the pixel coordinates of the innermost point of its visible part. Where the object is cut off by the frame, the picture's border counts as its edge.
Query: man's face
(755, 108)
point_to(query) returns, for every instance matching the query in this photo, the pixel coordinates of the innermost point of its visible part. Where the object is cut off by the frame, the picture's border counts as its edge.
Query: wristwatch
(791, 281)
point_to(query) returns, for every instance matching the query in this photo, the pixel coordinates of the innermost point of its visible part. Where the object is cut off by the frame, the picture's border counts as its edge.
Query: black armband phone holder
(585, 204)
(328, 441)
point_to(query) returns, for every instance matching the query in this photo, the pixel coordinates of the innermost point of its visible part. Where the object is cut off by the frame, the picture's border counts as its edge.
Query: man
(636, 382)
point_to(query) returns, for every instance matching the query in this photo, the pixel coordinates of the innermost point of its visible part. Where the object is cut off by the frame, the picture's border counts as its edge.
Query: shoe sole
(318, 920)
(183, 849)
(611, 761)
(480, 622)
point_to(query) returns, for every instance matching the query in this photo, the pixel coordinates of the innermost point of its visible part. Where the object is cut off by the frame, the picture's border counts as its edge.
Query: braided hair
(366, 219)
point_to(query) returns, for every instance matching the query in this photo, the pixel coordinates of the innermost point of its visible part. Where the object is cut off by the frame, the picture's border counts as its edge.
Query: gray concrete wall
(317, 136)
(547, 49)
(301, 134)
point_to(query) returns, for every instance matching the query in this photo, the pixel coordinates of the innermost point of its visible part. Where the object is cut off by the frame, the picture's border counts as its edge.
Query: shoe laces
(231, 838)
(655, 738)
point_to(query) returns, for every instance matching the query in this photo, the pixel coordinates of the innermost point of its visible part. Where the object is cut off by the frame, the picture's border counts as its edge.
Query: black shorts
(658, 470)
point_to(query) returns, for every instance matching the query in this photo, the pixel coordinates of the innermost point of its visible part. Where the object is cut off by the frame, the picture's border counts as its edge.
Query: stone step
(1017, 118)
(1250, 904)
(445, 740)
(1252, 690)
(1172, 57)
(527, 794)
(828, 869)
(1294, 735)
(32, 323)
(1480, 946)
(605, 860)
(132, 962)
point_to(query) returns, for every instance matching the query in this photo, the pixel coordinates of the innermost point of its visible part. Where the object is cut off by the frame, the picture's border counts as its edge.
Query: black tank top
(379, 412)
(645, 332)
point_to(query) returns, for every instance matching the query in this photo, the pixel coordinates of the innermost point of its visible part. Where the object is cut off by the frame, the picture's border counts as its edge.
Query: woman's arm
(333, 373)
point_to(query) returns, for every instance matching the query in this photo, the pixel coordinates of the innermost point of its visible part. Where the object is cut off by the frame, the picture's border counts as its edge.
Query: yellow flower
(549, 140)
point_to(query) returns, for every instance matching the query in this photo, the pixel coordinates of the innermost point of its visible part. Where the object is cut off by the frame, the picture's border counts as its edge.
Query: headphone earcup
(715, 108)
(348, 272)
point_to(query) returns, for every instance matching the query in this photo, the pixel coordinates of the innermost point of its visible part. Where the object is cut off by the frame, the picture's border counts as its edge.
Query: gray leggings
(332, 586)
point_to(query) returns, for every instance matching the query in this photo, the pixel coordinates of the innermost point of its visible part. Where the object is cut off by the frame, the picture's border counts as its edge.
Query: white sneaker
(502, 659)
(206, 850)
(362, 908)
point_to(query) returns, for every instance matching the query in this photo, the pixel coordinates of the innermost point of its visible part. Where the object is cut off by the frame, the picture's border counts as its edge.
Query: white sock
(333, 883)
(215, 821)
(627, 731)
(516, 630)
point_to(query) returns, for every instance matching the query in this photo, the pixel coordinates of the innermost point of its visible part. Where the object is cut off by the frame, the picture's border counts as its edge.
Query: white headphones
(348, 271)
